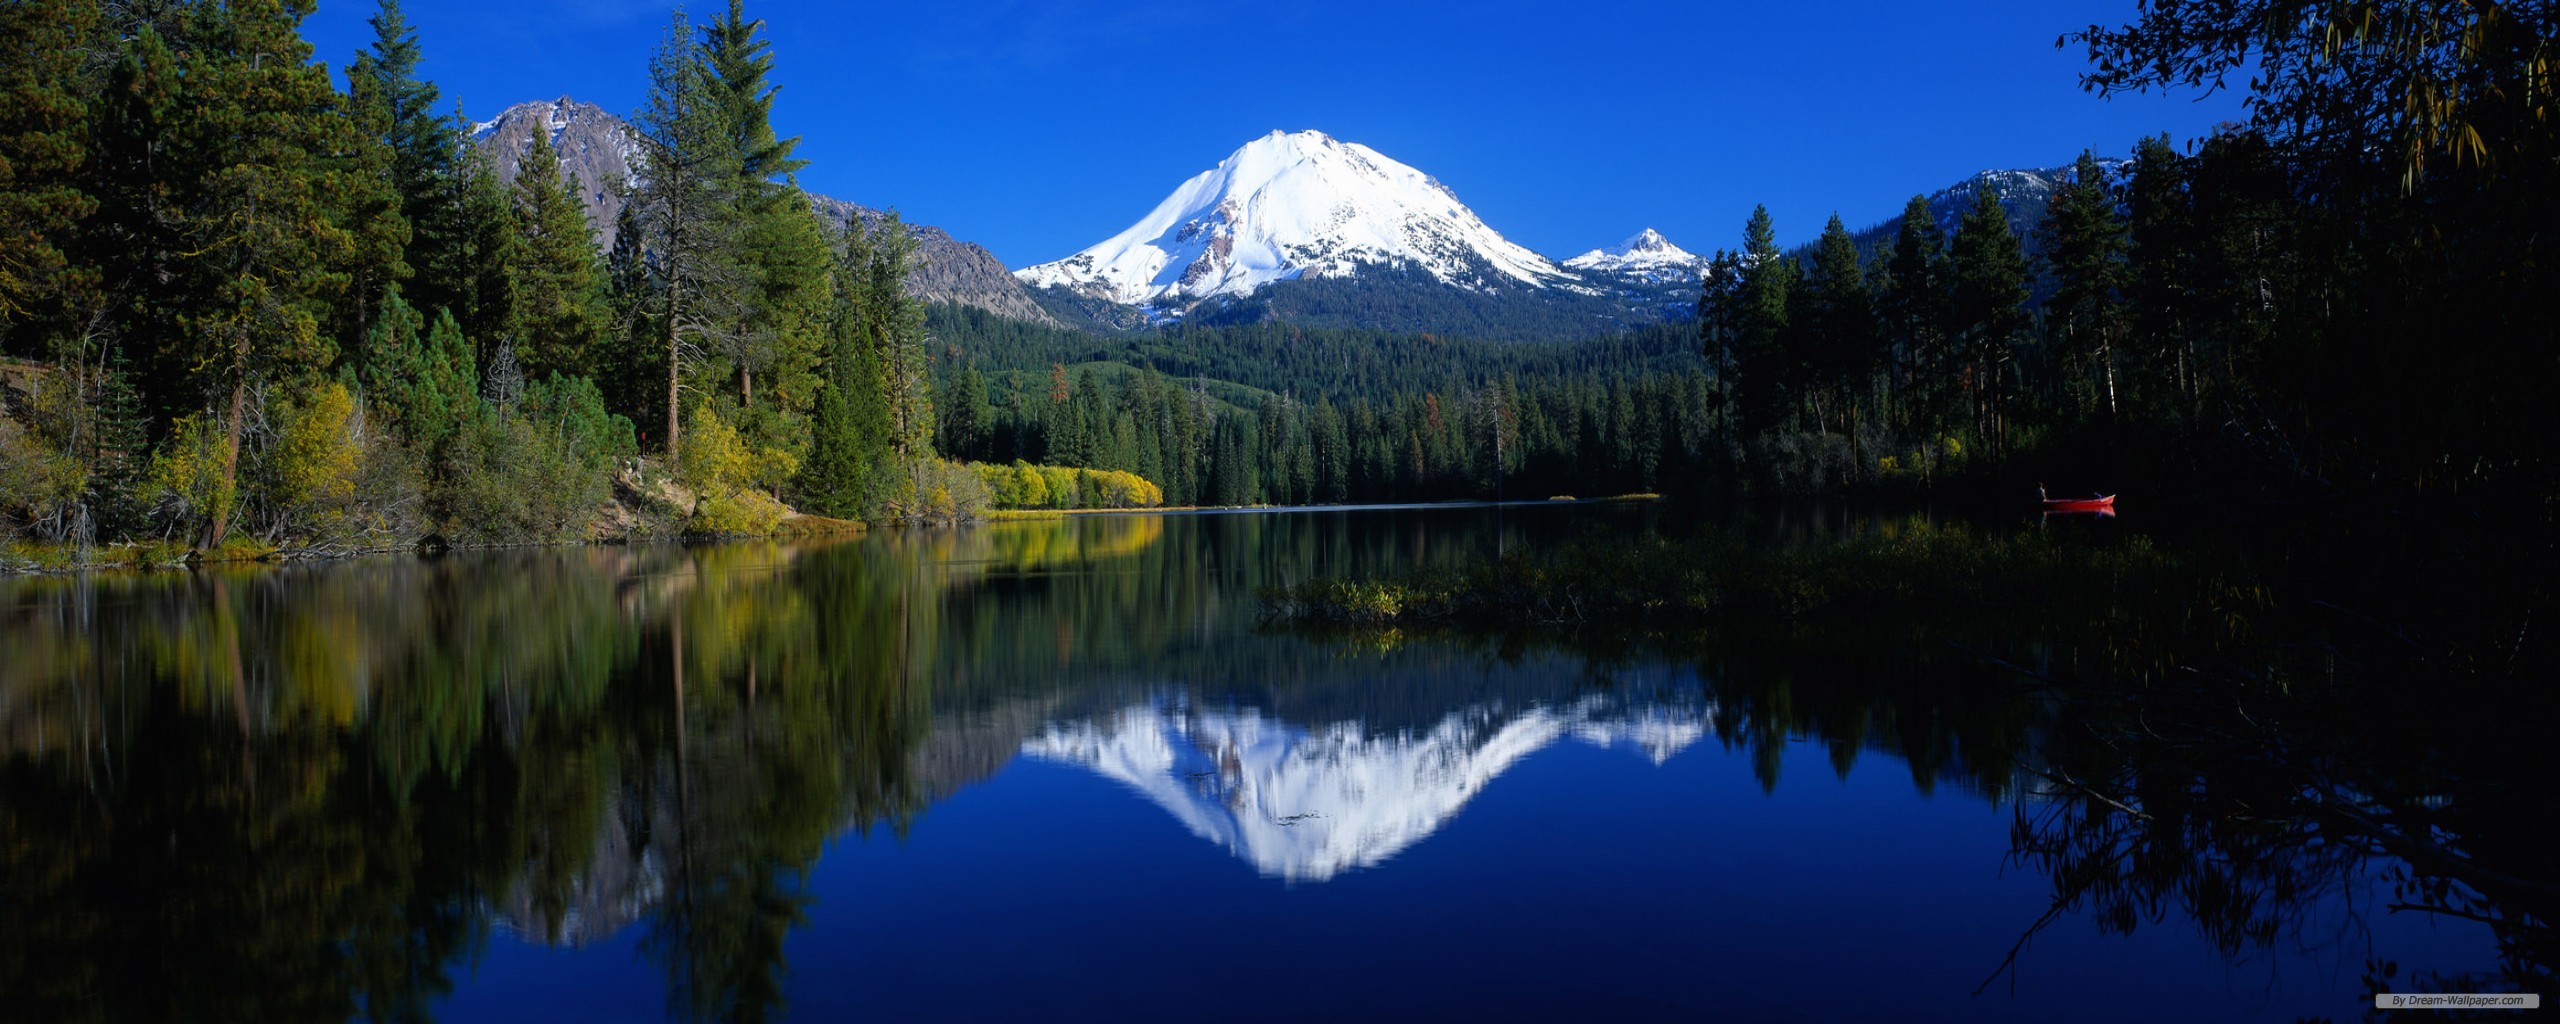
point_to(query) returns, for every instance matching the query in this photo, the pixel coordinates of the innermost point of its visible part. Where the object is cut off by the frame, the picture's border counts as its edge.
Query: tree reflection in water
(316, 792)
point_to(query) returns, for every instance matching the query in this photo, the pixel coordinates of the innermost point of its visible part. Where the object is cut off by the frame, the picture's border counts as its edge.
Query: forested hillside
(246, 303)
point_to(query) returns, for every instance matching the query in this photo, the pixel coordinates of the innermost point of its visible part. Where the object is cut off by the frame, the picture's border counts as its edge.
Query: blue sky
(1037, 127)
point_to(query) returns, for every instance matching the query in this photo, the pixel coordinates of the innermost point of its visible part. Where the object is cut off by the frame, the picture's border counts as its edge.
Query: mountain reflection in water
(744, 779)
(1307, 803)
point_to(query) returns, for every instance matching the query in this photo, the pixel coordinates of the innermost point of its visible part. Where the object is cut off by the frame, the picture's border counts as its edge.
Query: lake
(1060, 769)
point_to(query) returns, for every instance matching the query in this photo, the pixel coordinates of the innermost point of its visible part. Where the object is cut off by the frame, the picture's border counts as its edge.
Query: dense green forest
(2353, 292)
(240, 303)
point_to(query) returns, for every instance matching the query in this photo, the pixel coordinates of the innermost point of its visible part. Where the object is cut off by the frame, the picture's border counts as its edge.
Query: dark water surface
(1054, 770)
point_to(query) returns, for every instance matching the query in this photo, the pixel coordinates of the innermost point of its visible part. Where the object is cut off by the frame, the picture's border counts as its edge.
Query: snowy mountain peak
(1646, 241)
(1645, 253)
(1291, 204)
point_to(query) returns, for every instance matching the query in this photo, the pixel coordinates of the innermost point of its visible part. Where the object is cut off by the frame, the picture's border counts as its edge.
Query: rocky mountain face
(2024, 194)
(597, 150)
(603, 155)
(1288, 206)
(947, 269)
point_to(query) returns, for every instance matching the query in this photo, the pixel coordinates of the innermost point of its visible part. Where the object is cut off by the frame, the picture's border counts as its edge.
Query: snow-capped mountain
(1291, 205)
(1308, 803)
(1647, 254)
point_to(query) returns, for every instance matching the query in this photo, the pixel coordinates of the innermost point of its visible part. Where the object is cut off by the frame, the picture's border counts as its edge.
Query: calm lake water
(1057, 770)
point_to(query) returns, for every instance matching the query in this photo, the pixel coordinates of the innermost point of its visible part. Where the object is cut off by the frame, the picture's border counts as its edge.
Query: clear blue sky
(1037, 127)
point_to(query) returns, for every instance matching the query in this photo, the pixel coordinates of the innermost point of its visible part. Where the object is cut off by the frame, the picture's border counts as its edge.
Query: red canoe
(2102, 503)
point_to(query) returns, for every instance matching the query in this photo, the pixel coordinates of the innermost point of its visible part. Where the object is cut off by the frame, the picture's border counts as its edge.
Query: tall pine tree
(687, 209)
(44, 128)
(559, 280)
(1987, 268)
(2085, 244)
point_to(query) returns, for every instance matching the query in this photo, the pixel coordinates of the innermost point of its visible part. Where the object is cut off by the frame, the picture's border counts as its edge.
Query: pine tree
(396, 111)
(559, 281)
(1988, 271)
(849, 433)
(143, 183)
(1842, 317)
(966, 417)
(266, 252)
(2161, 255)
(43, 148)
(687, 211)
(896, 323)
(1913, 309)
(425, 380)
(1761, 359)
(1721, 320)
(488, 306)
(2085, 245)
(634, 373)
(783, 252)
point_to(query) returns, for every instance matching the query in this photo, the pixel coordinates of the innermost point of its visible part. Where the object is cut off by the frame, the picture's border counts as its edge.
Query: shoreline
(164, 556)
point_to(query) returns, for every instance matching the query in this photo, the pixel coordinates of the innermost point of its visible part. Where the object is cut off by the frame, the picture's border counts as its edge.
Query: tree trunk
(2107, 356)
(746, 388)
(675, 369)
(221, 526)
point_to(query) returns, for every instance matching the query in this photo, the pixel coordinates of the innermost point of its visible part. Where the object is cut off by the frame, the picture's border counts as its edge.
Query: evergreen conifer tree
(2160, 251)
(1987, 268)
(782, 250)
(44, 128)
(1842, 315)
(487, 308)
(847, 466)
(1761, 327)
(396, 111)
(559, 281)
(2085, 245)
(241, 142)
(1912, 308)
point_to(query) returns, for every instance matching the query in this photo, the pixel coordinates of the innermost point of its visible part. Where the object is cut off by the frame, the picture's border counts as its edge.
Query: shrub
(718, 461)
(307, 475)
(186, 487)
(38, 483)
(539, 473)
(736, 512)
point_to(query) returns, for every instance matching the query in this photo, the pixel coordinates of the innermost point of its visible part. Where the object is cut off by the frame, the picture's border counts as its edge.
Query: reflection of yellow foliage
(316, 670)
(1078, 540)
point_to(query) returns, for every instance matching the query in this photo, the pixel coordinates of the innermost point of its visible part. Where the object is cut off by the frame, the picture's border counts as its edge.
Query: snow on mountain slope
(1307, 804)
(1293, 204)
(1646, 253)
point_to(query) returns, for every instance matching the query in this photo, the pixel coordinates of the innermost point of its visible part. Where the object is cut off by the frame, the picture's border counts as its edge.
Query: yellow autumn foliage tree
(717, 462)
(1023, 485)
